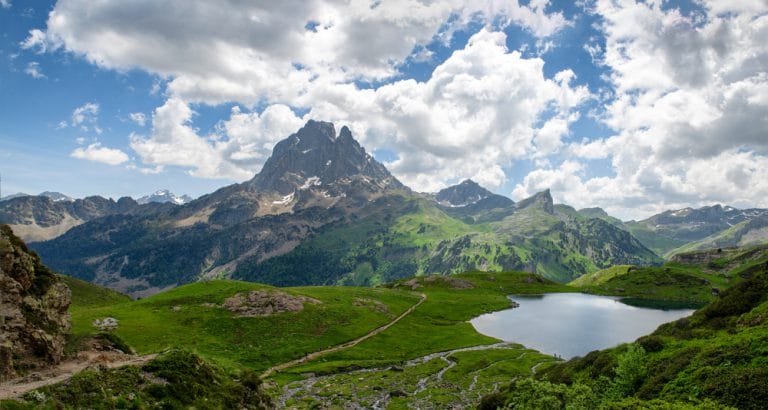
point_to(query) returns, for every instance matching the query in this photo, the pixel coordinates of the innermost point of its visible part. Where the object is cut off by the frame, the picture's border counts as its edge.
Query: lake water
(572, 324)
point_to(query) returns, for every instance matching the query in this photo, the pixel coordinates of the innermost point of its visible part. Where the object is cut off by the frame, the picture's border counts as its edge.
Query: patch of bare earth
(15, 388)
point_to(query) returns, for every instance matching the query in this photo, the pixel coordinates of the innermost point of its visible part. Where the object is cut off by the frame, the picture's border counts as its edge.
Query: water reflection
(573, 324)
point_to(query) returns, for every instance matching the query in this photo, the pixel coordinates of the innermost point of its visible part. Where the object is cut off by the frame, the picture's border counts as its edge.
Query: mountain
(469, 193)
(57, 196)
(745, 233)
(672, 229)
(16, 195)
(40, 218)
(163, 196)
(600, 213)
(323, 211)
(316, 156)
(472, 202)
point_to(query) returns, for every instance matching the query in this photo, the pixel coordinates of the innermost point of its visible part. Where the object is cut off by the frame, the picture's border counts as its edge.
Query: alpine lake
(567, 325)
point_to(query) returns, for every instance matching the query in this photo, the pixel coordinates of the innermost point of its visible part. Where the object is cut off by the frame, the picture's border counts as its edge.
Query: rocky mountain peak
(542, 200)
(466, 193)
(315, 155)
(57, 196)
(164, 196)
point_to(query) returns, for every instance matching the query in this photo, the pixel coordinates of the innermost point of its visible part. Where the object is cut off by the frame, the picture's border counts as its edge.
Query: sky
(632, 106)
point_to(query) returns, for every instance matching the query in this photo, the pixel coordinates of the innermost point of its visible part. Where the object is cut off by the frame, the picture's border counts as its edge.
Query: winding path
(65, 370)
(345, 345)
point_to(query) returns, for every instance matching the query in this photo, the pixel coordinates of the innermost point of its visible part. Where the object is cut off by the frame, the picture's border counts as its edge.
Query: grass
(183, 318)
(453, 380)
(669, 283)
(88, 295)
(439, 324)
(601, 276)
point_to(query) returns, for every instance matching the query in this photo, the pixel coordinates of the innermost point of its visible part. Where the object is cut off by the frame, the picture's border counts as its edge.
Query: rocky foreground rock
(33, 309)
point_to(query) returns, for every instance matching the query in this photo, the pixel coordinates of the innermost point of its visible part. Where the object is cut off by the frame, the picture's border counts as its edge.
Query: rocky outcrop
(266, 303)
(33, 309)
(541, 200)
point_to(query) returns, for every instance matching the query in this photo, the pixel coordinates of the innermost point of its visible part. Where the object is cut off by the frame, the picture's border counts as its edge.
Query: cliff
(33, 309)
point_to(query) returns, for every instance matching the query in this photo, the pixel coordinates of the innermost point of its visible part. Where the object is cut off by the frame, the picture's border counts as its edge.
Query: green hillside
(601, 276)
(191, 317)
(411, 237)
(746, 233)
(88, 295)
(658, 242)
(689, 277)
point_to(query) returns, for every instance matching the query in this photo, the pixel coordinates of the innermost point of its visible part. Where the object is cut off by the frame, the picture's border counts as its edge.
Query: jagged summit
(316, 155)
(541, 200)
(164, 196)
(57, 196)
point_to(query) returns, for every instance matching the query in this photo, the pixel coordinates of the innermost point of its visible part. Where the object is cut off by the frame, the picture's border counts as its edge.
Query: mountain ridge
(323, 211)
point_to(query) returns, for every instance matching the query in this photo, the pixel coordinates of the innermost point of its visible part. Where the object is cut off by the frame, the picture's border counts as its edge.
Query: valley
(406, 344)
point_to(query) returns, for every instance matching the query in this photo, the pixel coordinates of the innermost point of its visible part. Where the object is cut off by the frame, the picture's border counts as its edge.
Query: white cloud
(6, 4)
(95, 152)
(33, 70)
(84, 115)
(139, 118)
(235, 52)
(690, 111)
(476, 114)
(244, 144)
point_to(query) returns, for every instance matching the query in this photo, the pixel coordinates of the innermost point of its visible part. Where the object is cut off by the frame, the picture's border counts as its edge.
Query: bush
(630, 372)
(491, 401)
(651, 343)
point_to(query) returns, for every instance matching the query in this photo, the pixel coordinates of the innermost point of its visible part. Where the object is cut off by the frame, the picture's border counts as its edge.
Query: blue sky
(636, 107)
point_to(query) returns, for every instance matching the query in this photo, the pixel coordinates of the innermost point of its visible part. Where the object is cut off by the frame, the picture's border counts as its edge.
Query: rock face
(315, 156)
(33, 309)
(541, 200)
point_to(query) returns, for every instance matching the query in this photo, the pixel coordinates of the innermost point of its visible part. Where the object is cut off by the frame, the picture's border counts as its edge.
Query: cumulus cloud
(6, 4)
(689, 110)
(95, 152)
(235, 52)
(476, 114)
(236, 152)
